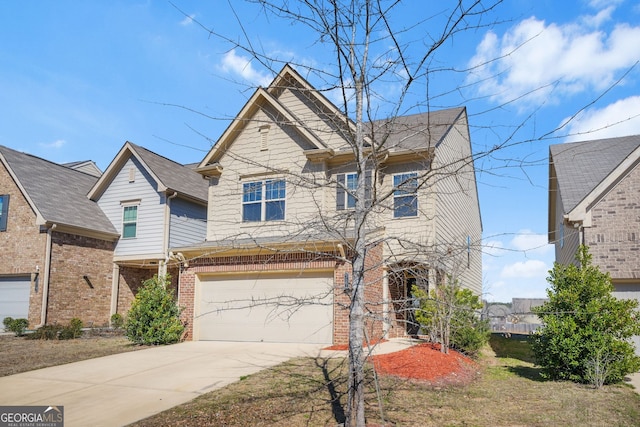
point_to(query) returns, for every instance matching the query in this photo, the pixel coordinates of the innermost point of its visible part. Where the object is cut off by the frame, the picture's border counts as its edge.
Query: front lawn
(507, 392)
(20, 354)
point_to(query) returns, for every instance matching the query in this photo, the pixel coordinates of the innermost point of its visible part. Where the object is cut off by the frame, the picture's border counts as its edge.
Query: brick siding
(614, 238)
(23, 245)
(70, 294)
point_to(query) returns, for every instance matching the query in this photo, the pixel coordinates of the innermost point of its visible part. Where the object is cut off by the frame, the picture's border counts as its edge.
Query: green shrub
(71, 331)
(154, 317)
(585, 334)
(470, 339)
(17, 326)
(46, 332)
(448, 314)
(117, 322)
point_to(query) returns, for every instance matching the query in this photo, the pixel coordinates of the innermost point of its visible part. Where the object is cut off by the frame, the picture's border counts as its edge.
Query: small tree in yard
(449, 315)
(586, 330)
(154, 317)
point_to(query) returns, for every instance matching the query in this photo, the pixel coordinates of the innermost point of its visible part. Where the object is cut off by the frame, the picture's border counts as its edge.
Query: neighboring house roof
(56, 193)
(524, 305)
(86, 166)
(583, 171)
(169, 175)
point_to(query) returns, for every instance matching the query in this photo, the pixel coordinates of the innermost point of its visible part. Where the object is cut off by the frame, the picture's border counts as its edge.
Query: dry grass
(508, 392)
(22, 355)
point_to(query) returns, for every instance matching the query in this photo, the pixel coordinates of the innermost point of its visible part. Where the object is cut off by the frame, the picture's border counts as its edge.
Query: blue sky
(78, 79)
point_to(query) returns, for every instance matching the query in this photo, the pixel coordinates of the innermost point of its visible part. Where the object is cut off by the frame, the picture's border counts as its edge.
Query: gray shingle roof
(173, 175)
(416, 131)
(581, 166)
(58, 192)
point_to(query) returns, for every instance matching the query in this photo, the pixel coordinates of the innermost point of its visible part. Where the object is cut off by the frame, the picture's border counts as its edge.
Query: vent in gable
(264, 137)
(132, 174)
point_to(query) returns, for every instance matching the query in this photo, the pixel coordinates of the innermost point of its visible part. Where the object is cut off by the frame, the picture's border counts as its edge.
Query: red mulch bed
(425, 362)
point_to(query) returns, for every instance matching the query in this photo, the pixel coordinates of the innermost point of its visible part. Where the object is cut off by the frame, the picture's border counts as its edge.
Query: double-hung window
(263, 200)
(4, 211)
(129, 221)
(405, 195)
(346, 189)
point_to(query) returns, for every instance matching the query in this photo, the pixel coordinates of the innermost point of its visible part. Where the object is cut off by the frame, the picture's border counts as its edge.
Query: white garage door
(631, 291)
(14, 298)
(269, 308)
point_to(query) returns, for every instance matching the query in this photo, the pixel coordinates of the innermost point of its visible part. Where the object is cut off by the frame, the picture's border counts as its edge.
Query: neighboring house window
(263, 200)
(347, 183)
(405, 195)
(130, 221)
(561, 236)
(4, 211)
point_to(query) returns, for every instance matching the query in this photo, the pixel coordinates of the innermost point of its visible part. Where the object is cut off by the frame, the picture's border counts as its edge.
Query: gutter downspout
(47, 276)
(162, 268)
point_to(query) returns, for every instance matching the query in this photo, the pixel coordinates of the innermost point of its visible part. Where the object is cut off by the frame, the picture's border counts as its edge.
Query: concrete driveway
(120, 389)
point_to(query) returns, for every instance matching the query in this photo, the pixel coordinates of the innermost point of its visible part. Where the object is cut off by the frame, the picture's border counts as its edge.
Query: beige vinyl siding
(247, 162)
(323, 127)
(418, 229)
(149, 235)
(457, 215)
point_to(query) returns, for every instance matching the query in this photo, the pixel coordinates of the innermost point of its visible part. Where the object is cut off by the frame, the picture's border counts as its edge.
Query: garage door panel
(14, 298)
(267, 308)
(629, 291)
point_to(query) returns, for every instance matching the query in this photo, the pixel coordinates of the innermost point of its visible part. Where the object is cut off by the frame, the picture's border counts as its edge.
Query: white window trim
(393, 178)
(125, 204)
(264, 201)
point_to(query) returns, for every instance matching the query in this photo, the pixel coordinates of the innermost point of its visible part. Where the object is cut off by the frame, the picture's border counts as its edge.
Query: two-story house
(154, 203)
(282, 177)
(594, 199)
(57, 245)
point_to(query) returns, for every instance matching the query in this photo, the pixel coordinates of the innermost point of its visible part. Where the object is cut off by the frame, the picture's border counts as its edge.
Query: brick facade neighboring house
(57, 245)
(274, 265)
(594, 199)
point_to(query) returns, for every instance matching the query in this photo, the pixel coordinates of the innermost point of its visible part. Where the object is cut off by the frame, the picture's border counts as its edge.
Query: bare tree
(372, 52)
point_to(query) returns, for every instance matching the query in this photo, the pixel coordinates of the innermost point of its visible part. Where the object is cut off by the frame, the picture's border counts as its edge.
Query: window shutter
(368, 186)
(4, 213)
(340, 196)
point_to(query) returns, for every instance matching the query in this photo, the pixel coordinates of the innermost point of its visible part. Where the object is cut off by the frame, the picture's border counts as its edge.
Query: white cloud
(618, 119)
(188, 20)
(58, 143)
(547, 61)
(528, 269)
(241, 65)
(531, 243)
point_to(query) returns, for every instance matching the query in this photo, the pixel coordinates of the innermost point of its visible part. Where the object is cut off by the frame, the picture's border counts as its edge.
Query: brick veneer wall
(296, 262)
(614, 238)
(131, 280)
(73, 257)
(23, 245)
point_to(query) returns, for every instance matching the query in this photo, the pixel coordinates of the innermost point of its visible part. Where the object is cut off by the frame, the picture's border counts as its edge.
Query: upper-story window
(346, 188)
(129, 221)
(405, 195)
(4, 211)
(263, 200)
